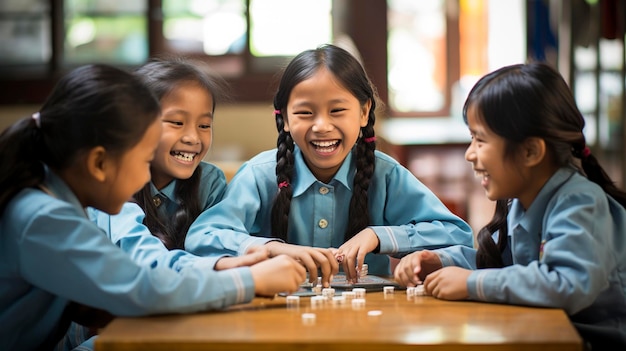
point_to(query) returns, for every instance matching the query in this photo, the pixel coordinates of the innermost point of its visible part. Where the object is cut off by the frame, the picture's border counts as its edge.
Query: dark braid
(349, 71)
(172, 231)
(489, 254)
(365, 162)
(284, 175)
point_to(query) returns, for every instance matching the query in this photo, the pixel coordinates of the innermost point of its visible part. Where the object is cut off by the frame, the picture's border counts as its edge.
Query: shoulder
(210, 170)
(31, 206)
(578, 192)
(30, 202)
(385, 160)
(263, 159)
(263, 163)
(579, 184)
(386, 164)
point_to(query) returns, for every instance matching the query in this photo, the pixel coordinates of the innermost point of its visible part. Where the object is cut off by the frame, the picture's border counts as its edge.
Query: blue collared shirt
(568, 250)
(51, 253)
(404, 213)
(127, 230)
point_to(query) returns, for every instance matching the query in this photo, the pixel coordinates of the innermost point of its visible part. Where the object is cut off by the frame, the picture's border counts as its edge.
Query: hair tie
(370, 139)
(586, 151)
(283, 184)
(37, 117)
(277, 112)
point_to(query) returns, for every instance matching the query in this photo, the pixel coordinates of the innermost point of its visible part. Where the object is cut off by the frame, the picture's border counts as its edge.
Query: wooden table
(419, 323)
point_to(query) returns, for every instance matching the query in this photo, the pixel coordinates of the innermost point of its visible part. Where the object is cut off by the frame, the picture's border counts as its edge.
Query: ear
(534, 151)
(365, 112)
(98, 163)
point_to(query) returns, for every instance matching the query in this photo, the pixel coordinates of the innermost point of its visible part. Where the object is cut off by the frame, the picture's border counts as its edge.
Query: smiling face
(500, 176)
(324, 120)
(187, 117)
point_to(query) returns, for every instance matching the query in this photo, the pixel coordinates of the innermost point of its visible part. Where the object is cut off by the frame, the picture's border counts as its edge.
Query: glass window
(220, 27)
(417, 61)
(287, 27)
(213, 27)
(25, 36)
(109, 31)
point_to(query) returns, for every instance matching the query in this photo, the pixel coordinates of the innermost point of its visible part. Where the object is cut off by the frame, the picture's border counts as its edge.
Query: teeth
(184, 156)
(481, 174)
(325, 143)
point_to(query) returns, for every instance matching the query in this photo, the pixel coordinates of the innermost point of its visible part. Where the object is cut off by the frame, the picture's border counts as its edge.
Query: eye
(172, 122)
(338, 110)
(205, 126)
(303, 114)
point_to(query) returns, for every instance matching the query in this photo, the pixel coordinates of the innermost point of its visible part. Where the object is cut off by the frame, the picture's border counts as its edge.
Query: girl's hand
(254, 255)
(448, 283)
(413, 269)
(279, 274)
(352, 253)
(312, 258)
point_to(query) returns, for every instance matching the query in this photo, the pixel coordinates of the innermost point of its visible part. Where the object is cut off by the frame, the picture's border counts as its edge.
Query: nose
(322, 124)
(190, 136)
(470, 153)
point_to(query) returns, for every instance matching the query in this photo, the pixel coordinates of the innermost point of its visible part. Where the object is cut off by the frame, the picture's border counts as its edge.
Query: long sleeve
(51, 253)
(561, 248)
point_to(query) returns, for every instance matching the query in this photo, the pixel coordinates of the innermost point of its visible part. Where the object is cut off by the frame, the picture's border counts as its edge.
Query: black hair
(162, 75)
(528, 100)
(349, 72)
(93, 105)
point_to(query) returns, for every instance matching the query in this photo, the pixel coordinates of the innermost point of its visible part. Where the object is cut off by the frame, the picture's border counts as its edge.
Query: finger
(309, 263)
(325, 262)
(350, 268)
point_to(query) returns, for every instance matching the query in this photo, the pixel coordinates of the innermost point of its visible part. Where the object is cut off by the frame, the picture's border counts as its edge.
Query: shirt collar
(303, 178)
(527, 219)
(167, 191)
(57, 187)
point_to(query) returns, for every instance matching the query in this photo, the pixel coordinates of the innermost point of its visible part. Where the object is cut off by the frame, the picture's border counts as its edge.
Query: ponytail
(596, 174)
(20, 164)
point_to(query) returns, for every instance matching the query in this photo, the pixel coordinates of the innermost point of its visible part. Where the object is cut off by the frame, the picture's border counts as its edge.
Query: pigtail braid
(359, 217)
(489, 254)
(284, 174)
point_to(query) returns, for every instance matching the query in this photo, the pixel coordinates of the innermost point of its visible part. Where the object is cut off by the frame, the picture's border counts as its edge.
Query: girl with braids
(557, 236)
(182, 184)
(98, 126)
(325, 194)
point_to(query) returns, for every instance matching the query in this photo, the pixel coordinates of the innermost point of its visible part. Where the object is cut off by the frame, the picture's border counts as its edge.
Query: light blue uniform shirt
(51, 253)
(568, 250)
(404, 213)
(127, 230)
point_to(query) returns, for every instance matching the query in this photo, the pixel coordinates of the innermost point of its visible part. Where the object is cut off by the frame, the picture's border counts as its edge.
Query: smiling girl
(557, 237)
(325, 194)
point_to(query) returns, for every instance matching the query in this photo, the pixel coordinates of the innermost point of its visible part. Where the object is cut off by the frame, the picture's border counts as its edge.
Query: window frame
(363, 24)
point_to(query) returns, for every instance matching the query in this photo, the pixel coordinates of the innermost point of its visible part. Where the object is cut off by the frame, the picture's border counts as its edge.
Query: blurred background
(422, 55)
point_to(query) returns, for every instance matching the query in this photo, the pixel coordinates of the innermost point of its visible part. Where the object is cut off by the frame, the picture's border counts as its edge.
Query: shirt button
(157, 201)
(322, 223)
(324, 190)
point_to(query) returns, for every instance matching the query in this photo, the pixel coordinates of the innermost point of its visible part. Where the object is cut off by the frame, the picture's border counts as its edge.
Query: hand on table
(352, 253)
(278, 274)
(312, 258)
(413, 268)
(448, 283)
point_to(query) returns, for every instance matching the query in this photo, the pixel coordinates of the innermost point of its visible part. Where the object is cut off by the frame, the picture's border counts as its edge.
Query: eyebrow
(184, 112)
